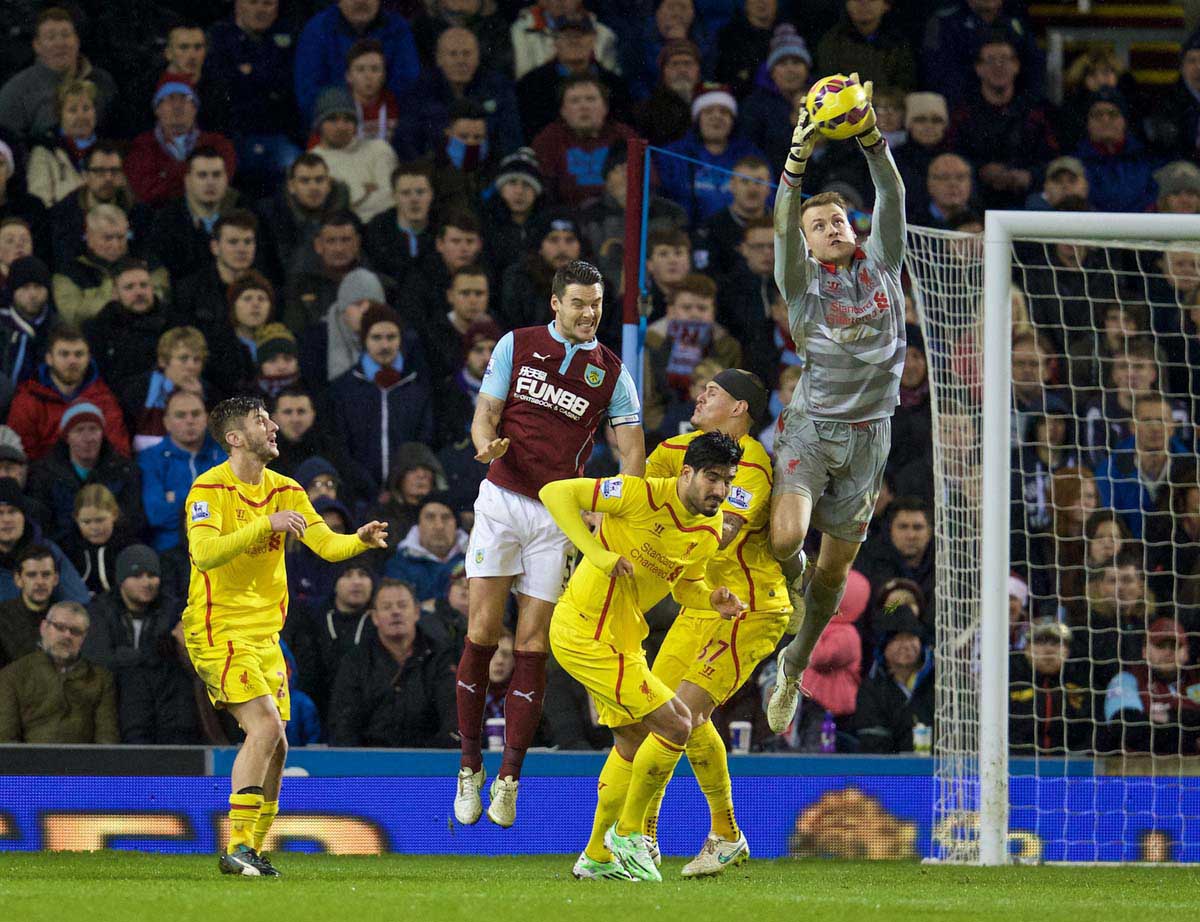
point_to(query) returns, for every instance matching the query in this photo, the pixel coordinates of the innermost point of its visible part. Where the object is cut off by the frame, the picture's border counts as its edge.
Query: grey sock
(820, 604)
(792, 567)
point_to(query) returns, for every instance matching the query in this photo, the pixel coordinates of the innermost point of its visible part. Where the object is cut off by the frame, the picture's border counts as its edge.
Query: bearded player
(705, 657)
(545, 392)
(846, 314)
(239, 515)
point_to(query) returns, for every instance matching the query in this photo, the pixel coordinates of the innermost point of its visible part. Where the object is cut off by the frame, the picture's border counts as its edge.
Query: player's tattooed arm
(730, 528)
(631, 445)
(485, 429)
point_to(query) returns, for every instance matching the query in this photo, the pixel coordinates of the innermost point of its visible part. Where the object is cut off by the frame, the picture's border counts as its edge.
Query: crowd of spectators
(342, 206)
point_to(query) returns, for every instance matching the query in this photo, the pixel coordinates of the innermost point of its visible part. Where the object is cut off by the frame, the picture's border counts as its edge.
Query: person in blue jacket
(426, 557)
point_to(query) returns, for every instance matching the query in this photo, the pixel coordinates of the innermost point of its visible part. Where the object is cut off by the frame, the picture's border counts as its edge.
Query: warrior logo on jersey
(199, 511)
(593, 376)
(739, 498)
(611, 489)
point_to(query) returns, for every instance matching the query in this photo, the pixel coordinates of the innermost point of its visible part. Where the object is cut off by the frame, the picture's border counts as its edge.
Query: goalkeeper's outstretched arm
(886, 241)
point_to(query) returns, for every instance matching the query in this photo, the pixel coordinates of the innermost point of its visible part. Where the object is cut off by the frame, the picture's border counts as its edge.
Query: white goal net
(1067, 376)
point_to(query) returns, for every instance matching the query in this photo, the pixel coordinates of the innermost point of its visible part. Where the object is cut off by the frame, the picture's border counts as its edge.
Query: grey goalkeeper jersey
(848, 324)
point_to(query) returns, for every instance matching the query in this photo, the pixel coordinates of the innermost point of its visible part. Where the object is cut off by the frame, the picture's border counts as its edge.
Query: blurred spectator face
(790, 75)
(1189, 512)
(1047, 656)
(140, 591)
(1118, 327)
(251, 309)
(78, 119)
(1189, 69)
(472, 132)
(1016, 611)
(458, 247)
(1065, 184)
(573, 49)
(1134, 374)
(176, 114)
(255, 15)
(323, 485)
(519, 196)
(336, 521)
(715, 124)
(458, 596)
(395, 614)
(37, 579)
(30, 300)
(383, 343)
(500, 669)
(1131, 586)
(1028, 374)
(359, 13)
(134, 291)
(680, 74)
(69, 360)
(890, 114)
(758, 249)
(584, 109)
(15, 242)
(461, 7)
(688, 306)
(949, 181)
(366, 75)
(84, 441)
(414, 196)
(903, 652)
(12, 526)
(674, 18)
(310, 186)
(457, 55)
(910, 533)
(437, 529)
(280, 366)
(234, 248)
(928, 130)
(57, 45)
(866, 15)
(914, 368)
(1106, 544)
(1167, 655)
(103, 176)
(1186, 201)
(338, 130)
(206, 181)
(669, 264)
(1153, 426)
(997, 66)
(294, 415)
(338, 245)
(186, 420)
(1105, 124)
(1182, 268)
(352, 590)
(108, 240)
(478, 357)
(987, 10)
(750, 190)
(416, 484)
(63, 631)
(186, 48)
(558, 248)
(468, 297)
(761, 13)
(183, 368)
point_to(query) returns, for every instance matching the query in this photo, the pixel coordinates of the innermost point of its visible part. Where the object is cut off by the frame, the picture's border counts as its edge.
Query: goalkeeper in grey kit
(846, 313)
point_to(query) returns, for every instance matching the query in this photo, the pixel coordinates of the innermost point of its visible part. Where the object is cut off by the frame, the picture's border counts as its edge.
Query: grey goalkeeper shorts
(839, 465)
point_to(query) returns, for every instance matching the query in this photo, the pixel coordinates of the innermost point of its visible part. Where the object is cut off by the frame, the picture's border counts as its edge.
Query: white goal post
(988, 656)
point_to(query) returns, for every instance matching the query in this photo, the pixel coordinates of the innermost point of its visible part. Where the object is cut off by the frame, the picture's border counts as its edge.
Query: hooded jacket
(886, 711)
(38, 407)
(71, 587)
(428, 574)
(329, 347)
(834, 670)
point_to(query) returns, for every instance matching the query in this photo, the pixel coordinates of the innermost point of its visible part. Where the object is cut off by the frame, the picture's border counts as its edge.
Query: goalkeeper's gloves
(804, 139)
(869, 135)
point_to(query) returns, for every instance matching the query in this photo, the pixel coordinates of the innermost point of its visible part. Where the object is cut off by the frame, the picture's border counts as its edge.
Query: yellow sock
(650, 820)
(706, 752)
(243, 814)
(611, 789)
(262, 825)
(652, 768)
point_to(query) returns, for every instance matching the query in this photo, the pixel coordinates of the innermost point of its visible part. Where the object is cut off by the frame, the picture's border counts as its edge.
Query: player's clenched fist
(491, 451)
(621, 568)
(373, 534)
(804, 139)
(725, 603)
(288, 520)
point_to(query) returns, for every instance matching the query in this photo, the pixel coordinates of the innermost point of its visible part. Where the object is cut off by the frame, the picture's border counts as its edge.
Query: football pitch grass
(131, 887)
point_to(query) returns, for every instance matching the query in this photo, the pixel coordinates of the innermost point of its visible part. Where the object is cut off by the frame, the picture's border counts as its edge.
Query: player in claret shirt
(545, 392)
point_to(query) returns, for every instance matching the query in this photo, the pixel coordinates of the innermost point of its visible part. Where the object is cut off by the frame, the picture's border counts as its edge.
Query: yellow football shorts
(717, 655)
(234, 671)
(619, 681)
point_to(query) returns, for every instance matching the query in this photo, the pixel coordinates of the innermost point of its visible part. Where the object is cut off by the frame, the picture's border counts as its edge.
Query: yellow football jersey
(238, 587)
(646, 523)
(746, 565)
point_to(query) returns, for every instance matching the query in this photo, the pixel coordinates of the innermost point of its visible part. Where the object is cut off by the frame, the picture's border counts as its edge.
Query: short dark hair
(365, 46)
(226, 415)
(179, 393)
(762, 222)
(130, 264)
(667, 237)
(295, 390)
(64, 333)
(751, 162)
(389, 582)
(460, 218)
(206, 151)
(579, 80)
(1131, 555)
(909, 504)
(308, 158)
(341, 217)
(576, 272)
(413, 168)
(34, 552)
(241, 218)
(474, 270)
(712, 450)
(102, 147)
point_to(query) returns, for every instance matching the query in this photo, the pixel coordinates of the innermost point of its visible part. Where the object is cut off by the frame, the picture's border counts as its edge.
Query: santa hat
(713, 94)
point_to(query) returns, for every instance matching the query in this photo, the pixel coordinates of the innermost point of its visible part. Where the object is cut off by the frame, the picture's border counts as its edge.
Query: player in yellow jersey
(657, 535)
(239, 515)
(711, 656)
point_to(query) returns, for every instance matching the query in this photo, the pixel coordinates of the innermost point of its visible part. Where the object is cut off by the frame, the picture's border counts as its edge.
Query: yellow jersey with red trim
(238, 586)
(646, 523)
(746, 564)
